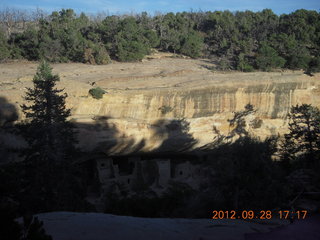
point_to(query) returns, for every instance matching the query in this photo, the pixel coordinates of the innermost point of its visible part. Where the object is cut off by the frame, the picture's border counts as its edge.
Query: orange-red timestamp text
(263, 214)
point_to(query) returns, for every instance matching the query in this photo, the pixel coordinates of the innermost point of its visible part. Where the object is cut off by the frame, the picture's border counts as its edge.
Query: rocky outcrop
(135, 112)
(143, 98)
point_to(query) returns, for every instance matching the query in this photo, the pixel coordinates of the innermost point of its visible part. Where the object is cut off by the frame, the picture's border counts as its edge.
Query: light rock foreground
(98, 226)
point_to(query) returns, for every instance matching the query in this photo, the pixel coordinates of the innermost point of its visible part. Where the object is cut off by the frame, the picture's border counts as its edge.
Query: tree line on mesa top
(243, 41)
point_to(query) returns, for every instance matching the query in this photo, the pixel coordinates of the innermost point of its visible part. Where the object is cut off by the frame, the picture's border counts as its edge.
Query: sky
(163, 6)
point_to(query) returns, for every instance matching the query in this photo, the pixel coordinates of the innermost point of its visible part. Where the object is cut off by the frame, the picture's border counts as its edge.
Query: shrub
(243, 64)
(268, 58)
(192, 45)
(130, 51)
(131, 44)
(152, 38)
(88, 56)
(101, 56)
(97, 92)
(245, 67)
(224, 64)
(314, 66)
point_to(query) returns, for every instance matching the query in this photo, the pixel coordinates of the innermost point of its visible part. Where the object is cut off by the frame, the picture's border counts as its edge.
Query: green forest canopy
(239, 40)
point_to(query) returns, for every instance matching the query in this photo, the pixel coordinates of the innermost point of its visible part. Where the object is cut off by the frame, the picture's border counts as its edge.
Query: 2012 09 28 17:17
(262, 214)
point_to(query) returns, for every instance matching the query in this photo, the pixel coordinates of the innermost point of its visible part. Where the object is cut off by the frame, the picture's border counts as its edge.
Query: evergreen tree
(243, 64)
(268, 58)
(244, 172)
(303, 140)
(48, 132)
(265, 40)
(49, 181)
(314, 66)
(192, 45)
(131, 43)
(28, 42)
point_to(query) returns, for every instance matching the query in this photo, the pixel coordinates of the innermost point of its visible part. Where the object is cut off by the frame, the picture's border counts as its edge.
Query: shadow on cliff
(102, 136)
(174, 135)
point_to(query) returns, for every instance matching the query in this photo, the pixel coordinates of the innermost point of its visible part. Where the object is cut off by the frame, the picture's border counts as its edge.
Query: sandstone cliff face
(272, 100)
(142, 99)
(135, 112)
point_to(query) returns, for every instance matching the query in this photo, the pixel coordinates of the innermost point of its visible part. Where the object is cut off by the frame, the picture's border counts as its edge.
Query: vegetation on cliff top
(97, 92)
(240, 40)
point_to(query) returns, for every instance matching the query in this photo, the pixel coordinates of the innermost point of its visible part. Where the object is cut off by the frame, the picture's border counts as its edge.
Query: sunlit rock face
(145, 101)
(135, 115)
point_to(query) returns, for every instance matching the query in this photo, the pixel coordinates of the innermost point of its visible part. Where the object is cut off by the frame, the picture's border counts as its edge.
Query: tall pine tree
(49, 135)
(50, 183)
